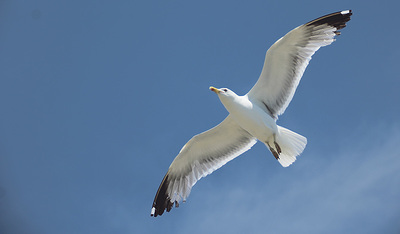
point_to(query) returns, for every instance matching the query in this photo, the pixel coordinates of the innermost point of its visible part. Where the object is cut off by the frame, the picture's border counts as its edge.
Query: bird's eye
(225, 90)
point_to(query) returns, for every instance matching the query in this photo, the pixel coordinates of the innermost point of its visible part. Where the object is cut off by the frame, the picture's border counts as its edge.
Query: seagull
(252, 117)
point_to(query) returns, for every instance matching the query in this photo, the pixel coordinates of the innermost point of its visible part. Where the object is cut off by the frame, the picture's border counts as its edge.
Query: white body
(256, 119)
(250, 116)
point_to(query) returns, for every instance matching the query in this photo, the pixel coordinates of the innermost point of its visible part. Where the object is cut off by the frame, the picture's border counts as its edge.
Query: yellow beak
(215, 90)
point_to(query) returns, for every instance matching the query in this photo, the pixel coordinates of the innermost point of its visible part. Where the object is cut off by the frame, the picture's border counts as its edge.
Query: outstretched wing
(287, 59)
(202, 155)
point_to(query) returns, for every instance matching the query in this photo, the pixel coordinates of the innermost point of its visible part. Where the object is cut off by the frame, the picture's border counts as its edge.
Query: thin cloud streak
(357, 192)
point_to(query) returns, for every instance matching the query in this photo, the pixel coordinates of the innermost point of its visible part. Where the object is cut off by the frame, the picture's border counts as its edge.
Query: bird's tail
(291, 145)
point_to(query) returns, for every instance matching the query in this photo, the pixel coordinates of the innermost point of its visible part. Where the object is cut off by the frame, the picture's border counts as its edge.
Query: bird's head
(221, 91)
(224, 94)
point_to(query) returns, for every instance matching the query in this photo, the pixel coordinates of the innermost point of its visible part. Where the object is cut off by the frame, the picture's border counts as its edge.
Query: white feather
(205, 153)
(285, 63)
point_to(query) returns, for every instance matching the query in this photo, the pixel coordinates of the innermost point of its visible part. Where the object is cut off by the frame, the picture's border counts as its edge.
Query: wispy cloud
(353, 188)
(356, 192)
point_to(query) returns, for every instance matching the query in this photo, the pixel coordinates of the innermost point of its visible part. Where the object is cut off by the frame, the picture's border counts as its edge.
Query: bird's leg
(278, 148)
(275, 151)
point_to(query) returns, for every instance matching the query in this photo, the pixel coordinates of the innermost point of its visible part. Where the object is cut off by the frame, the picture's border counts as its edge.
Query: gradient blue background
(98, 97)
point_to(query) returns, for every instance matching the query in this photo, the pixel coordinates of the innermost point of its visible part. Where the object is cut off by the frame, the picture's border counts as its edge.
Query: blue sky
(97, 98)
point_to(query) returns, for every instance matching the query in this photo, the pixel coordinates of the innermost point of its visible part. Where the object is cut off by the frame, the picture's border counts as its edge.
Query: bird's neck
(236, 103)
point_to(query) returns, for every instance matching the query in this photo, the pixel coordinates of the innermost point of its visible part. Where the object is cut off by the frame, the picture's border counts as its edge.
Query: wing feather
(203, 154)
(287, 59)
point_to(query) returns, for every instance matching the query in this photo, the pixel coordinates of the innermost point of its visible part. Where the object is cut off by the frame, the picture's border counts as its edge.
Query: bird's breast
(253, 119)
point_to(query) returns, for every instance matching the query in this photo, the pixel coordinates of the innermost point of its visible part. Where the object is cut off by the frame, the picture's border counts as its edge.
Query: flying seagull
(253, 116)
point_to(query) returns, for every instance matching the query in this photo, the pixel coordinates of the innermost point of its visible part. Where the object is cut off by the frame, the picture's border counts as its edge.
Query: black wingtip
(337, 19)
(162, 201)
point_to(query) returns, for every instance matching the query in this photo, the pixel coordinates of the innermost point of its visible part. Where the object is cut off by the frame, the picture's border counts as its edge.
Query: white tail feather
(291, 144)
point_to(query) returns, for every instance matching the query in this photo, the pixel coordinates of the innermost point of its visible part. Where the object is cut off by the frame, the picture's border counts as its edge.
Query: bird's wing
(203, 154)
(287, 59)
